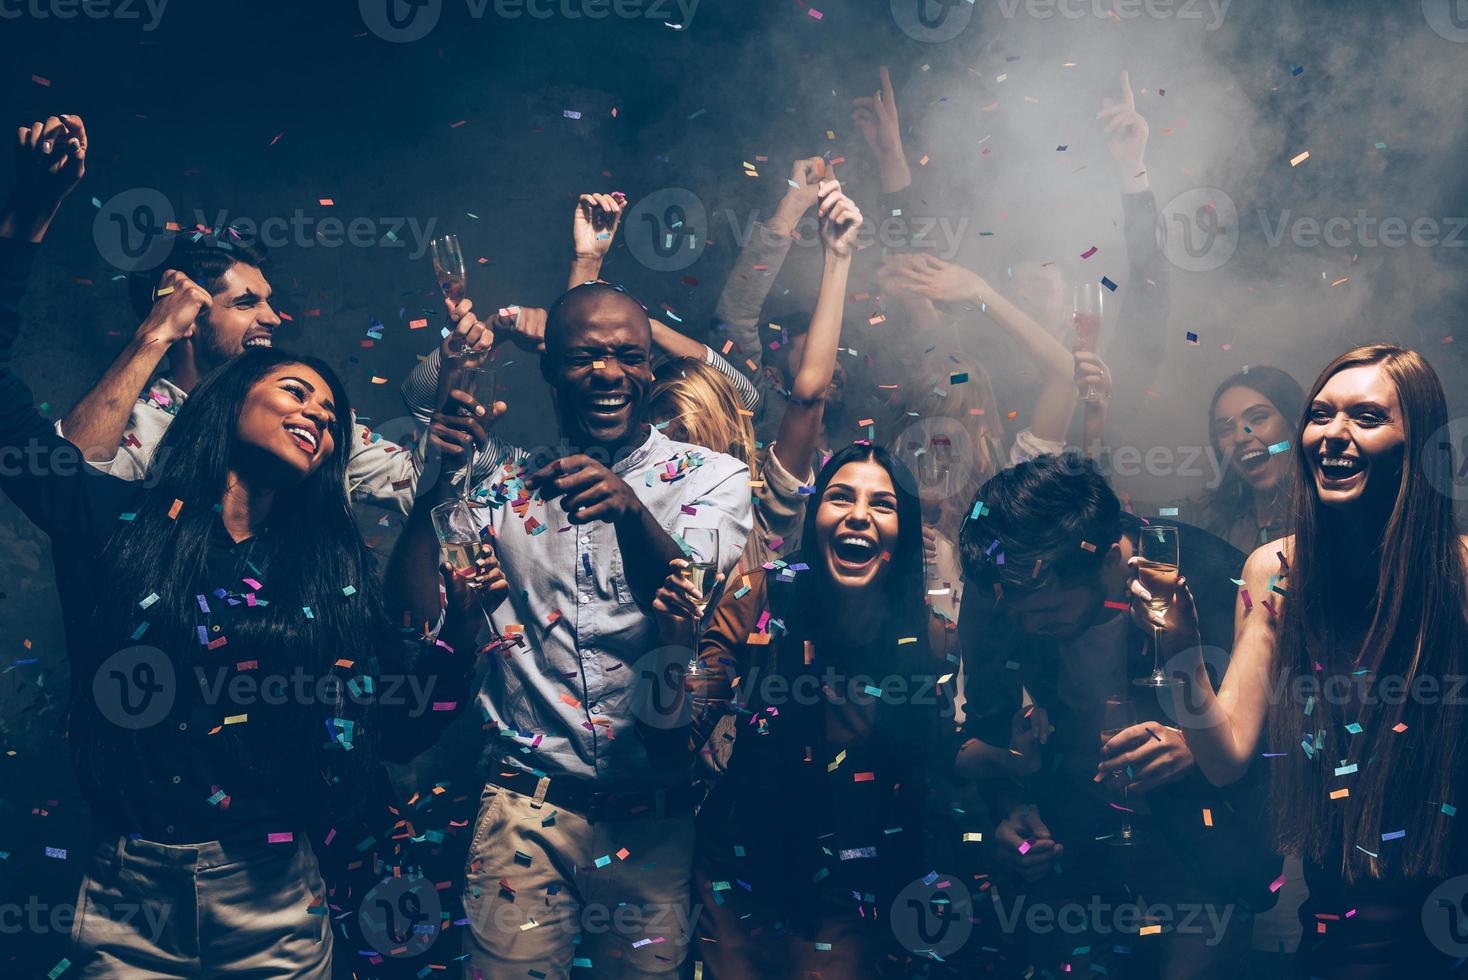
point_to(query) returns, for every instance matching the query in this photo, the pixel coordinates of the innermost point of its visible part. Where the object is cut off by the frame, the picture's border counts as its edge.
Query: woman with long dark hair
(235, 673)
(838, 704)
(1251, 421)
(1351, 634)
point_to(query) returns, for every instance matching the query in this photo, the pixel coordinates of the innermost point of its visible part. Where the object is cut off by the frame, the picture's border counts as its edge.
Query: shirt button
(183, 726)
(586, 539)
(178, 779)
(596, 709)
(585, 599)
(168, 829)
(216, 627)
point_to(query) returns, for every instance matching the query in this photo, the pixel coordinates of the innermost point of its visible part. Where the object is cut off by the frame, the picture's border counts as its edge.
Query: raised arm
(1133, 345)
(762, 255)
(50, 159)
(593, 228)
(949, 282)
(675, 344)
(1225, 726)
(40, 472)
(800, 428)
(876, 117)
(97, 422)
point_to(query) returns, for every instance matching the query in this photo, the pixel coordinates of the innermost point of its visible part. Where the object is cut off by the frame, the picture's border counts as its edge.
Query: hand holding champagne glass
(1119, 714)
(1086, 320)
(459, 537)
(1157, 571)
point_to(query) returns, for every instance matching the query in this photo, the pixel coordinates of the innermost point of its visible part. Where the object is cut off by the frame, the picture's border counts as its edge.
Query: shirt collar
(653, 444)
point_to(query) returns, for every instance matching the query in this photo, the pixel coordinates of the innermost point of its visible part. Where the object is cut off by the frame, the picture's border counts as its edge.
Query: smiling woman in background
(1363, 603)
(1252, 411)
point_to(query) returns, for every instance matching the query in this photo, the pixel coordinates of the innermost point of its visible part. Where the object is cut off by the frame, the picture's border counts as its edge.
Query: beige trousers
(547, 890)
(202, 910)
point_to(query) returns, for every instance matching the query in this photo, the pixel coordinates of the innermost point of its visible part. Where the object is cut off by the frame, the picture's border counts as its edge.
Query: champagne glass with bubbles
(1158, 572)
(702, 571)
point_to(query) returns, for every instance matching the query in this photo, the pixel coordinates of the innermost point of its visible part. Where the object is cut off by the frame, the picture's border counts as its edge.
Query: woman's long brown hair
(1418, 630)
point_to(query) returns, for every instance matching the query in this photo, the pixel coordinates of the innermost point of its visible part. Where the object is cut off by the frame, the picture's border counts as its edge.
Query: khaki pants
(546, 889)
(202, 910)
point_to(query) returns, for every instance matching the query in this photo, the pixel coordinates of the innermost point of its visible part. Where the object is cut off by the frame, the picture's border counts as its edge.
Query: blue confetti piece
(1394, 835)
(1279, 447)
(1108, 284)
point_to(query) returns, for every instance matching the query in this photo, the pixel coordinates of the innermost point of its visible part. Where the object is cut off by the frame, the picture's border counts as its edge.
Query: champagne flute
(1119, 714)
(704, 684)
(1086, 320)
(1158, 571)
(458, 536)
(481, 383)
(448, 270)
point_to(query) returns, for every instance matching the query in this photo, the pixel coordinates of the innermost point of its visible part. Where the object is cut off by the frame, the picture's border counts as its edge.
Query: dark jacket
(1231, 855)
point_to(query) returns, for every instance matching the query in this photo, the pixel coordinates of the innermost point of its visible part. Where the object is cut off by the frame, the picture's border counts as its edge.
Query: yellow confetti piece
(160, 293)
(973, 838)
(1296, 161)
(598, 365)
(757, 484)
(236, 719)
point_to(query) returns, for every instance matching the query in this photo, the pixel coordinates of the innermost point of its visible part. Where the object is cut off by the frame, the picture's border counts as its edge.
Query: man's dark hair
(204, 259)
(1046, 521)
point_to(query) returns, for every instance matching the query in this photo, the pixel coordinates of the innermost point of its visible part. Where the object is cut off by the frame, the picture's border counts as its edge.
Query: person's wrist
(26, 218)
(785, 218)
(1133, 176)
(896, 174)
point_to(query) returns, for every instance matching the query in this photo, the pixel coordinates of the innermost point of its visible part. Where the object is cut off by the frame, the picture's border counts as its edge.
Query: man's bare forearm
(646, 551)
(97, 422)
(410, 582)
